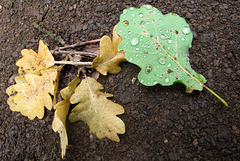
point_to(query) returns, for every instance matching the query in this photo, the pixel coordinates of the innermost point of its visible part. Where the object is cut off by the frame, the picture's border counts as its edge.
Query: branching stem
(83, 53)
(73, 63)
(78, 44)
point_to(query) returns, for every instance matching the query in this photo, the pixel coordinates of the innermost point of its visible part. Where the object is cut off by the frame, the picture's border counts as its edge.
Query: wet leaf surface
(159, 45)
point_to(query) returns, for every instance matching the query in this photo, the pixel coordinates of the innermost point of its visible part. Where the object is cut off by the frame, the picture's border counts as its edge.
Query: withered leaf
(96, 110)
(33, 62)
(61, 112)
(31, 93)
(110, 57)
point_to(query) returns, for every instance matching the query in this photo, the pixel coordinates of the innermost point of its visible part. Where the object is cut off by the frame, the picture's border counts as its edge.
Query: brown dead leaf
(60, 115)
(33, 63)
(110, 57)
(96, 110)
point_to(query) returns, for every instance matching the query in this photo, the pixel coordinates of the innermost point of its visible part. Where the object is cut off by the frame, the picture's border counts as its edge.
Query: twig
(73, 63)
(74, 52)
(78, 44)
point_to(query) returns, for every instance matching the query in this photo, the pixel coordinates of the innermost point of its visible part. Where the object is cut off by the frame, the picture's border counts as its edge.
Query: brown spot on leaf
(126, 22)
(169, 71)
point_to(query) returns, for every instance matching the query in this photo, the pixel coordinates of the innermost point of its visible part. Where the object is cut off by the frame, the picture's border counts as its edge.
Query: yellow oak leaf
(61, 112)
(12, 92)
(48, 71)
(110, 57)
(31, 93)
(96, 110)
(33, 62)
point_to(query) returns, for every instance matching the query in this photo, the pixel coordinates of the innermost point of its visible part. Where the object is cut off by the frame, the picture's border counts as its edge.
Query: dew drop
(162, 36)
(183, 54)
(183, 39)
(130, 59)
(161, 61)
(137, 48)
(148, 46)
(120, 30)
(148, 6)
(134, 41)
(140, 15)
(154, 82)
(133, 15)
(129, 32)
(169, 65)
(124, 11)
(131, 8)
(166, 79)
(147, 22)
(169, 41)
(186, 30)
(136, 55)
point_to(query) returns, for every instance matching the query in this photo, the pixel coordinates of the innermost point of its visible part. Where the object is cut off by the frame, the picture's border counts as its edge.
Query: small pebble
(165, 141)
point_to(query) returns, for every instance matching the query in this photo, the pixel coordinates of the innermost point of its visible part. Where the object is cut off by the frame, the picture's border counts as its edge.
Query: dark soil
(162, 123)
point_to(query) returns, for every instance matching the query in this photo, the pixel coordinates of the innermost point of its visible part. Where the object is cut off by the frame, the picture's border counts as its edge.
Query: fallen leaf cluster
(38, 78)
(38, 82)
(157, 43)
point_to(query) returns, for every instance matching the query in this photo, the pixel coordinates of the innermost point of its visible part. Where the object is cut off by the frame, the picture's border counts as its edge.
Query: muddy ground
(162, 123)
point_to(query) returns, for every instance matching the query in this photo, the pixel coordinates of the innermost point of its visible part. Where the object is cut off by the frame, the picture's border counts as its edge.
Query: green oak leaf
(159, 45)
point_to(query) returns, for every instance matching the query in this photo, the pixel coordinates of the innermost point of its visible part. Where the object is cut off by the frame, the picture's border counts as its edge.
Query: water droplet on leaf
(169, 41)
(140, 15)
(183, 54)
(148, 7)
(162, 61)
(134, 41)
(162, 36)
(186, 30)
(166, 79)
(129, 32)
(169, 65)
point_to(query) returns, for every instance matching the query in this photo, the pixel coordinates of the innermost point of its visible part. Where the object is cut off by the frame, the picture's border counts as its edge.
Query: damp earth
(162, 123)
